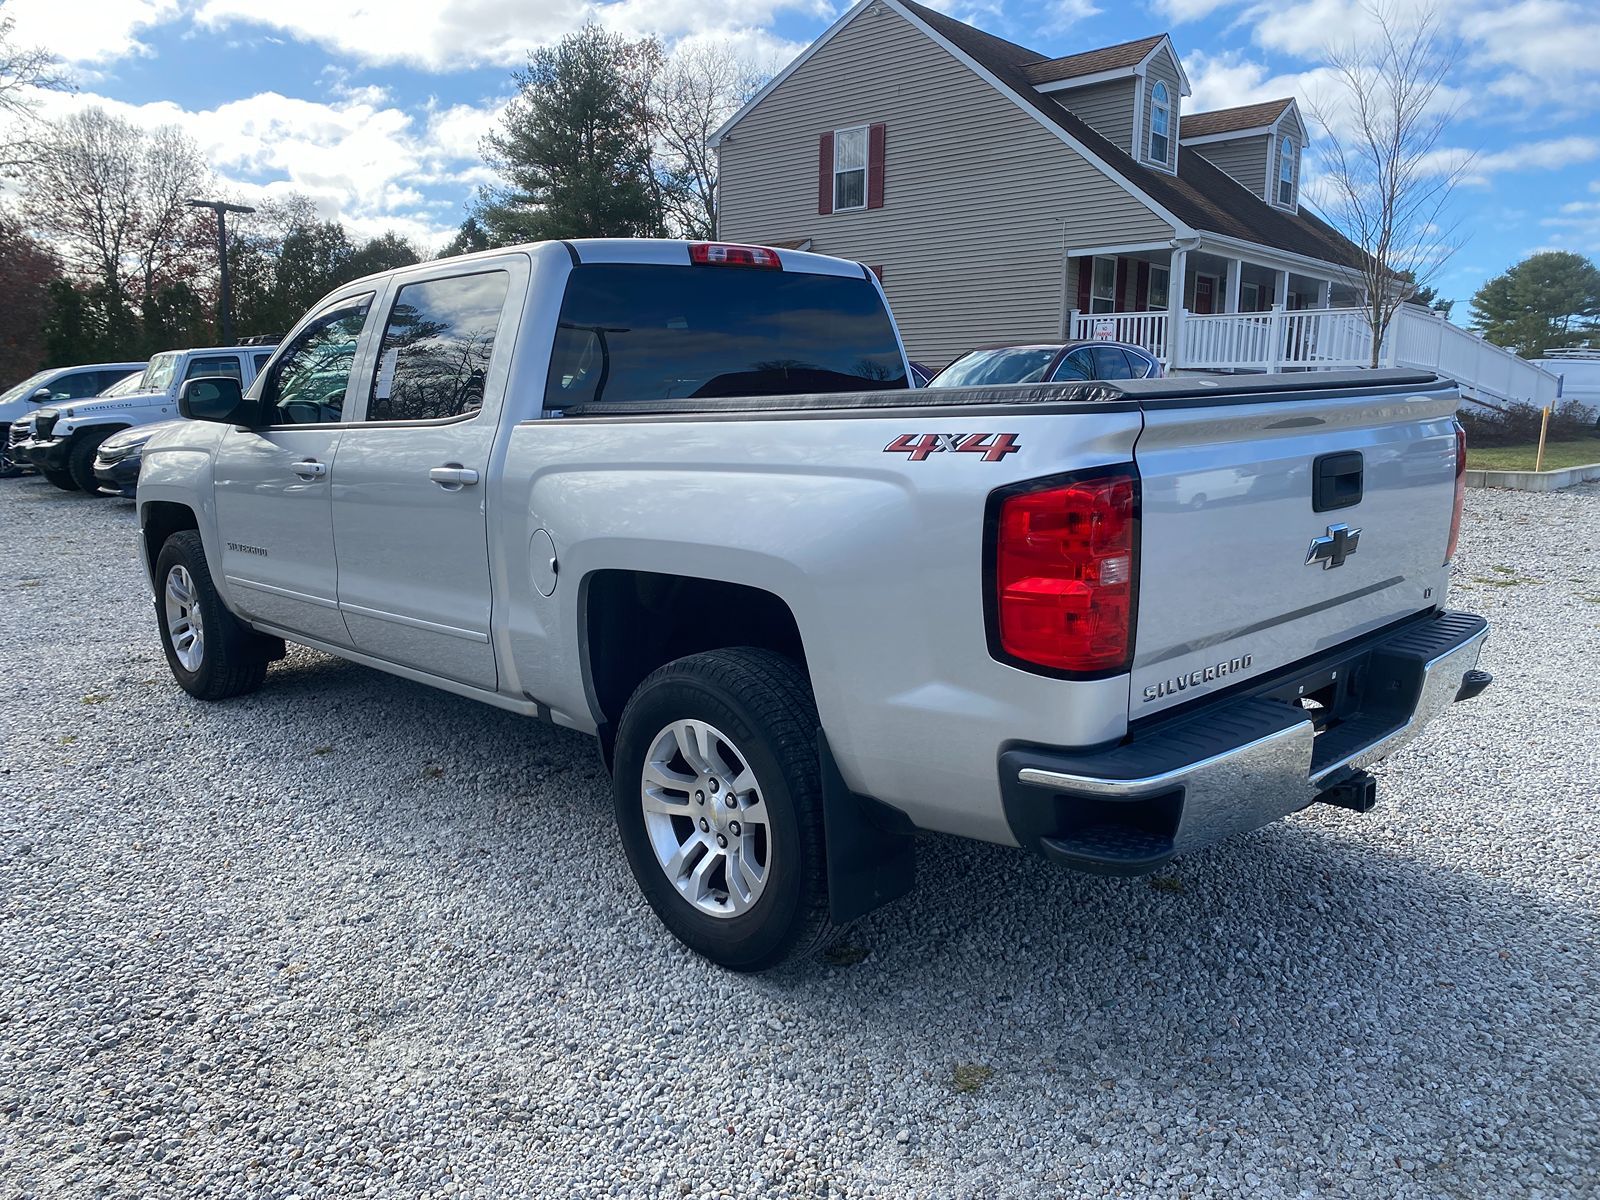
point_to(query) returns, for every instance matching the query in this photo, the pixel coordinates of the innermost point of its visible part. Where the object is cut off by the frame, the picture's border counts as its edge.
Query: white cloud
(1516, 57)
(88, 31)
(360, 158)
(442, 35)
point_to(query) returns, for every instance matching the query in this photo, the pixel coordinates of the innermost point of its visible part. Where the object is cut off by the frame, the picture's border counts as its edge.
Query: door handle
(453, 477)
(310, 468)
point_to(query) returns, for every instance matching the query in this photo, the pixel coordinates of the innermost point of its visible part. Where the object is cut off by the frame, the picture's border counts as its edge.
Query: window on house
(1157, 297)
(1160, 123)
(850, 168)
(1250, 297)
(1103, 286)
(1286, 172)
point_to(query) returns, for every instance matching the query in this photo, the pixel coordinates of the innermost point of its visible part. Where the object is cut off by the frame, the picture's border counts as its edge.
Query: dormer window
(1160, 124)
(1286, 173)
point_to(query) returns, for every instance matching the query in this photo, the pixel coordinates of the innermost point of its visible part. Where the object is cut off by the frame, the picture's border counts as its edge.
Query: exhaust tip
(1472, 683)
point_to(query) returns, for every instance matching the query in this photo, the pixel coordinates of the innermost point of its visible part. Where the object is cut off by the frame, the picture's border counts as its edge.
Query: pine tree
(1547, 300)
(574, 145)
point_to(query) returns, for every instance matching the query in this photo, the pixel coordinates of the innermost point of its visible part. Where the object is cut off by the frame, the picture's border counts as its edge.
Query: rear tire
(62, 479)
(740, 876)
(80, 458)
(212, 655)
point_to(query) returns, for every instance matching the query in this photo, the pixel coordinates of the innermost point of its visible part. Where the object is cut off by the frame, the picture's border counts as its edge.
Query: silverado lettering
(1221, 670)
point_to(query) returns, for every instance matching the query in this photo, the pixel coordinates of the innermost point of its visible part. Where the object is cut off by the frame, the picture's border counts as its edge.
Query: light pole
(222, 208)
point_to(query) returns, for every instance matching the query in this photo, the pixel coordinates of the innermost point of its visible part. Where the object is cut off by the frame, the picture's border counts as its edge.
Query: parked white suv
(55, 386)
(571, 480)
(66, 436)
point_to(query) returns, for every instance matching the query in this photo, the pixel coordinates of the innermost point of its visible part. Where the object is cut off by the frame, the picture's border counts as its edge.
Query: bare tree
(699, 87)
(1388, 175)
(110, 197)
(24, 71)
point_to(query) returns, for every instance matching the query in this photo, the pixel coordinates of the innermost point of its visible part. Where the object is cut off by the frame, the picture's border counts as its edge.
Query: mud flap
(871, 849)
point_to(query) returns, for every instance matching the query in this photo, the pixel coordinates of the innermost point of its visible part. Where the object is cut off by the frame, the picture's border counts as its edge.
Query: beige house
(998, 192)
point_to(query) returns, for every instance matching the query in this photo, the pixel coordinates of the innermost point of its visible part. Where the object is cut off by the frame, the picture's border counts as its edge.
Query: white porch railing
(1326, 339)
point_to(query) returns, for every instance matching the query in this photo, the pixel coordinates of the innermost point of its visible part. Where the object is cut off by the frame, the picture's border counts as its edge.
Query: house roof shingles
(1090, 62)
(1202, 196)
(1232, 120)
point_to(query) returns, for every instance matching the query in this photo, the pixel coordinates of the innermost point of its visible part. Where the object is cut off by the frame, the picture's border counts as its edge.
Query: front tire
(212, 655)
(80, 459)
(718, 795)
(62, 479)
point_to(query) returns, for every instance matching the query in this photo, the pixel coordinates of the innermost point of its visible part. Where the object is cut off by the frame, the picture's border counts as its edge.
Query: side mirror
(40, 396)
(213, 398)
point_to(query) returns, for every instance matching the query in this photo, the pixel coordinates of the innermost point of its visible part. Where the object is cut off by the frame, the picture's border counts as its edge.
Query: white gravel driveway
(354, 937)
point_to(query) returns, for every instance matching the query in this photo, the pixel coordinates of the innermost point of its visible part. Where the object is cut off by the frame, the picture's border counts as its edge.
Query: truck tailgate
(1229, 519)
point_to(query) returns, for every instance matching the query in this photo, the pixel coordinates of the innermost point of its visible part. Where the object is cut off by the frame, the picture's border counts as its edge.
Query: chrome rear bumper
(1236, 764)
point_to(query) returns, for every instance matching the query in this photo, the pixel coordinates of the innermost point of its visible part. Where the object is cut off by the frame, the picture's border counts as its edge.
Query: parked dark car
(1049, 362)
(117, 460)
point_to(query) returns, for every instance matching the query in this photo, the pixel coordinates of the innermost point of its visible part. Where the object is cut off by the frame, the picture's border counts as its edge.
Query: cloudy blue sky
(375, 107)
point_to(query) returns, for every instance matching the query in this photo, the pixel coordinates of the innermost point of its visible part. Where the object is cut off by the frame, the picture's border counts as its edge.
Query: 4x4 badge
(1333, 547)
(993, 446)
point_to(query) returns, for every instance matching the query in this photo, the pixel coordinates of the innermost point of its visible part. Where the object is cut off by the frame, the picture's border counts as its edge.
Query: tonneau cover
(1176, 391)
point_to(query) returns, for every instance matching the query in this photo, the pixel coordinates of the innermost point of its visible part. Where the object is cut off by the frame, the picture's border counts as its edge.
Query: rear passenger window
(1076, 365)
(261, 361)
(1111, 363)
(436, 348)
(213, 364)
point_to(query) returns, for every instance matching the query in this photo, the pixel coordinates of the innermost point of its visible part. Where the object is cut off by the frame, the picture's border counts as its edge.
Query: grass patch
(1166, 883)
(1557, 455)
(433, 771)
(844, 956)
(96, 698)
(321, 750)
(969, 1077)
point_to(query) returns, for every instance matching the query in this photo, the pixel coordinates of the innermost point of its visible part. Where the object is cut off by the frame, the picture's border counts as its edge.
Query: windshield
(158, 375)
(636, 333)
(126, 386)
(1023, 364)
(30, 384)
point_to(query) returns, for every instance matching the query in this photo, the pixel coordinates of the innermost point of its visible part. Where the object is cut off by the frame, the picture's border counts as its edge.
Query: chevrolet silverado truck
(65, 439)
(679, 496)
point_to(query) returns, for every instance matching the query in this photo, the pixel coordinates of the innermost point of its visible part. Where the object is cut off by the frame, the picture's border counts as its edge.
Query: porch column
(1325, 293)
(1230, 296)
(1069, 298)
(1280, 289)
(1177, 267)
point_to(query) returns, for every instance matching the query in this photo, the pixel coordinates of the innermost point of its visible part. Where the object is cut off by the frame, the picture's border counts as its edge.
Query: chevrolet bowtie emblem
(1333, 547)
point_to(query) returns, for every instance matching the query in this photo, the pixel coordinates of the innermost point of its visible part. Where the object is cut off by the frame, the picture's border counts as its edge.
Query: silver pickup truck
(680, 497)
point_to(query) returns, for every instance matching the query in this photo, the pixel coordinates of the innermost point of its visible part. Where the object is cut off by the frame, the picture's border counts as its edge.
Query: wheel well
(162, 519)
(636, 621)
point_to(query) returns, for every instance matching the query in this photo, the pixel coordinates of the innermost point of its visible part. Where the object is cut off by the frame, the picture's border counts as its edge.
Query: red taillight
(726, 254)
(1064, 564)
(1461, 492)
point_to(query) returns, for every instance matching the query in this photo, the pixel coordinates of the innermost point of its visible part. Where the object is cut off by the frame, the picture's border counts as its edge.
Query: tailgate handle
(1336, 481)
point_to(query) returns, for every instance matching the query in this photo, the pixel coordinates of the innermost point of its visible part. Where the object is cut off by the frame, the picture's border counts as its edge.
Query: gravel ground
(354, 937)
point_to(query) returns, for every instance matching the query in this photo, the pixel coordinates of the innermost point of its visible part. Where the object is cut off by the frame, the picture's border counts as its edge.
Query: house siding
(968, 237)
(1243, 158)
(1107, 108)
(1162, 68)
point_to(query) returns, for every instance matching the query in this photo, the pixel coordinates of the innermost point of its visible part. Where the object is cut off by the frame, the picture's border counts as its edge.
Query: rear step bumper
(1240, 763)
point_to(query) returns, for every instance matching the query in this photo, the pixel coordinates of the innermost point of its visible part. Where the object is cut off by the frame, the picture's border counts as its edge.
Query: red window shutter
(1141, 287)
(1122, 285)
(825, 174)
(1085, 277)
(876, 270)
(875, 139)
